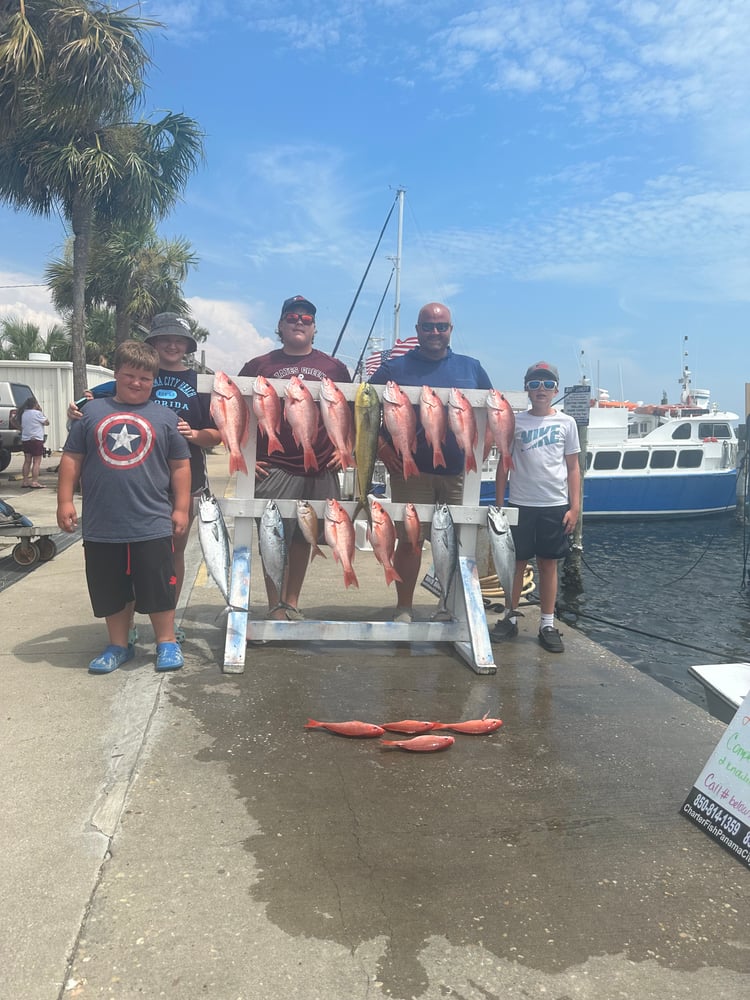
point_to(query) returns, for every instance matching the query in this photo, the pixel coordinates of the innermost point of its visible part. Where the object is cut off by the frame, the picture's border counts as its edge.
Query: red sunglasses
(305, 318)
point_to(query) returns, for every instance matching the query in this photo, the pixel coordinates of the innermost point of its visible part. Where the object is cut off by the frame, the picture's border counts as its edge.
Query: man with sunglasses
(283, 475)
(545, 485)
(432, 363)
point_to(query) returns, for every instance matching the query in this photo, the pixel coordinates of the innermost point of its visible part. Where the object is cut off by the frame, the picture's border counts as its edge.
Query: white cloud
(234, 338)
(23, 299)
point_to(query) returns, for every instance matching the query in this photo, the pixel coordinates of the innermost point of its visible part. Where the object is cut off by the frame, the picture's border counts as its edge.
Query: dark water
(665, 595)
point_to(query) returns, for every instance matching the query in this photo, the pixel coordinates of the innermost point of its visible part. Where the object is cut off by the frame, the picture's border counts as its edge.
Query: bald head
(434, 328)
(436, 312)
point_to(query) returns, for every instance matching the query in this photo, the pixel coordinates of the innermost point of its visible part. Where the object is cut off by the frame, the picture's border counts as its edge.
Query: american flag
(400, 347)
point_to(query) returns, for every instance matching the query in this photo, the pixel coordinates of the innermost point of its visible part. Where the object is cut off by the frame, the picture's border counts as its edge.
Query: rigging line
(38, 284)
(744, 469)
(364, 276)
(358, 366)
(638, 631)
(676, 579)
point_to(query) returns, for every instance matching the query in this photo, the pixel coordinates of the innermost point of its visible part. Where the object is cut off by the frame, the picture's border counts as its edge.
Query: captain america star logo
(124, 440)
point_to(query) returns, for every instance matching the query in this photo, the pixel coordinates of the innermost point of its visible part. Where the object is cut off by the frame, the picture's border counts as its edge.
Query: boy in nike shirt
(545, 485)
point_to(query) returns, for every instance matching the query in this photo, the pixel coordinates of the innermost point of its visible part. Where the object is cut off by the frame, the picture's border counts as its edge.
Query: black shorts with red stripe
(120, 572)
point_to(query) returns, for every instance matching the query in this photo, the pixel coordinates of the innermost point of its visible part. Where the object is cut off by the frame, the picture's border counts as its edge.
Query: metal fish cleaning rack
(467, 632)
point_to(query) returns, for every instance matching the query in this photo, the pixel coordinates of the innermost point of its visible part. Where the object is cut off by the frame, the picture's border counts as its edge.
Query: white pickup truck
(12, 395)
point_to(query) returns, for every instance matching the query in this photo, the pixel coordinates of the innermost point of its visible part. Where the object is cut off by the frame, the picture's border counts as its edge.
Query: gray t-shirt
(125, 476)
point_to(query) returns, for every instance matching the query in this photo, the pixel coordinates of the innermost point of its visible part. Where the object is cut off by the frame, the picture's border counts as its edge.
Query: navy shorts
(540, 532)
(119, 572)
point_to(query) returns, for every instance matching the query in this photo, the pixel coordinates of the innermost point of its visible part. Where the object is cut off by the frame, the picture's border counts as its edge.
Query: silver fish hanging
(503, 551)
(272, 545)
(214, 541)
(444, 555)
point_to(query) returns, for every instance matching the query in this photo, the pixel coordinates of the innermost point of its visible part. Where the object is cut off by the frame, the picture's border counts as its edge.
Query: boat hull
(675, 495)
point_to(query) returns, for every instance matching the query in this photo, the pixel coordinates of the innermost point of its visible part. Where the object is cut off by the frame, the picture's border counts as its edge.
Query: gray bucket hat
(171, 324)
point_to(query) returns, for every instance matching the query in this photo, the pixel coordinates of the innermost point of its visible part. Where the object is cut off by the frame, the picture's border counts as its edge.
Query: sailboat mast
(397, 265)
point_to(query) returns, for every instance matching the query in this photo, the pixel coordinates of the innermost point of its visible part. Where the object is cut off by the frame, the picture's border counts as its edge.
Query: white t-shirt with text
(540, 474)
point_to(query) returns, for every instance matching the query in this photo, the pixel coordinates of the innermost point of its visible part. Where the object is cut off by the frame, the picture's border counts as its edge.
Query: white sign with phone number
(719, 802)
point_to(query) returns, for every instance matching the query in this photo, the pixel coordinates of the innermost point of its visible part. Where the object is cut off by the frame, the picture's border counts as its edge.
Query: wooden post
(572, 574)
(577, 404)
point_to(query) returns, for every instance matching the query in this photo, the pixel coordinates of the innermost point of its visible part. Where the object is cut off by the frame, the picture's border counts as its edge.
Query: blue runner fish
(503, 551)
(272, 545)
(444, 554)
(214, 540)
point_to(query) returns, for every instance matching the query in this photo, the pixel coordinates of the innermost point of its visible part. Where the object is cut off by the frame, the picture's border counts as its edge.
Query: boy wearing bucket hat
(545, 486)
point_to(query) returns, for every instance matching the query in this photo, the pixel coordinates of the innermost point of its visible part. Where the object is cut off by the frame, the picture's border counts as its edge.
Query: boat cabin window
(638, 428)
(663, 459)
(690, 458)
(681, 433)
(708, 429)
(607, 460)
(635, 460)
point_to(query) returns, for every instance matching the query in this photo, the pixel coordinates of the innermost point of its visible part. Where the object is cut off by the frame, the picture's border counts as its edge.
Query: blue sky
(577, 180)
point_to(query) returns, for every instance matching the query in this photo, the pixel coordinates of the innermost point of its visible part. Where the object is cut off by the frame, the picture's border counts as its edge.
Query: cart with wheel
(34, 543)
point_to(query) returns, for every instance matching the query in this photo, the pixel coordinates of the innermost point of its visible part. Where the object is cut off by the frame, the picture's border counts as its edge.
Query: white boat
(665, 460)
(662, 460)
(726, 685)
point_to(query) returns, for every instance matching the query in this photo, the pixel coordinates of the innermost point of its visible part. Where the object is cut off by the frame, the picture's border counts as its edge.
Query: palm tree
(57, 343)
(71, 77)
(100, 336)
(19, 338)
(132, 269)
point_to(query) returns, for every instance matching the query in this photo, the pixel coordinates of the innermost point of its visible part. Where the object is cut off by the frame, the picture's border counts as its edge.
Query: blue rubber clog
(112, 658)
(168, 656)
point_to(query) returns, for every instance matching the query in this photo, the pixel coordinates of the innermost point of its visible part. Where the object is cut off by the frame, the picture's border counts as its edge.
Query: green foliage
(71, 79)
(20, 338)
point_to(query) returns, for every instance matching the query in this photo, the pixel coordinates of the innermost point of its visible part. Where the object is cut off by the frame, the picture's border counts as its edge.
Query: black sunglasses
(429, 327)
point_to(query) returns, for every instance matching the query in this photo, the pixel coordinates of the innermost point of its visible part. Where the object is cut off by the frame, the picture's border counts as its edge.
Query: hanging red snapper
(464, 426)
(401, 421)
(232, 419)
(423, 744)
(381, 534)
(301, 413)
(339, 533)
(412, 525)
(338, 422)
(267, 408)
(363, 730)
(502, 422)
(435, 422)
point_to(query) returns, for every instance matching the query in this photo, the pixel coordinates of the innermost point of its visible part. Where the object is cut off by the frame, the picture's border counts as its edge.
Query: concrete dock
(185, 836)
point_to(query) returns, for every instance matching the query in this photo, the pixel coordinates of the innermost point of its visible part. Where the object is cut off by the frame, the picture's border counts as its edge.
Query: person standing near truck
(32, 422)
